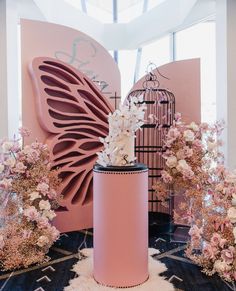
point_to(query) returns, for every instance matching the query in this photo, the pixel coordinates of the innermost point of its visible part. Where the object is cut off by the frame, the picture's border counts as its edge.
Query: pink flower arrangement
(194, 169)
(27, 233)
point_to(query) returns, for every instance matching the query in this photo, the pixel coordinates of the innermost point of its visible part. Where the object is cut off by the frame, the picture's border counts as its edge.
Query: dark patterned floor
(56, 274)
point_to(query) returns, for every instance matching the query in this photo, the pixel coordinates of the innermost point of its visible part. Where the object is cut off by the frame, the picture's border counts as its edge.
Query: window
(198, 41)
(158, 52)
(129, 11)
(126, 63)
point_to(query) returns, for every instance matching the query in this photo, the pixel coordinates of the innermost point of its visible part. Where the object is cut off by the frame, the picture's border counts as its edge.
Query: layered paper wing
(74, 114)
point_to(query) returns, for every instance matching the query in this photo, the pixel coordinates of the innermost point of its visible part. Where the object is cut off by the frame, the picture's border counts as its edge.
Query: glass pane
(100, 10)
(75, 3)
(157, 52)
(130, 11)
(154, 3)
(126, 63)
(198, 41)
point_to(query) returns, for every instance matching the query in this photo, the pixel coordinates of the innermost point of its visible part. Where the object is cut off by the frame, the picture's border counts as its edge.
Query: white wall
(9, 108)
(3, 71)
(10, 13)
(226, 73)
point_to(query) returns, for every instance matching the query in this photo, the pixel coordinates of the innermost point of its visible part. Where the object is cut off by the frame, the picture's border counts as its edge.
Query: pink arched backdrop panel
(70, 46)
(185, 83)
(72, 146)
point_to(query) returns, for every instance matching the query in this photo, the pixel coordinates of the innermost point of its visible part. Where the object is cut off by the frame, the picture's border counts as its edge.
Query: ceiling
(108, 11)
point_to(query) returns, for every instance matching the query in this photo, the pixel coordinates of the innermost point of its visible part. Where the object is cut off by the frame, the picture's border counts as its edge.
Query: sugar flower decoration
(123, 123)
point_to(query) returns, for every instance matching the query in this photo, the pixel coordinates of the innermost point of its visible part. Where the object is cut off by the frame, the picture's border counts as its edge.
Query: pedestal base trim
(121, 287)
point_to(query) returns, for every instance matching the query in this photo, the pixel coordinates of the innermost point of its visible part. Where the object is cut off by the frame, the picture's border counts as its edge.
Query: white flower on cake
(119, 144)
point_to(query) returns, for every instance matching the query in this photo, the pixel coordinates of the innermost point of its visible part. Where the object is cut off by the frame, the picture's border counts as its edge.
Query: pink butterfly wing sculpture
(73, 113)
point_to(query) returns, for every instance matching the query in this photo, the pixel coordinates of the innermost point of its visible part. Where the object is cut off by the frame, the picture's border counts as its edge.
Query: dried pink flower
(215, 239)
(6, 184)
(24, 132)
(26, 236)
(207, 194)
(43, 188)
(228, 255)
(20, 167)
(209, 251)
(2, 243)
(42, 241)
(31, 213)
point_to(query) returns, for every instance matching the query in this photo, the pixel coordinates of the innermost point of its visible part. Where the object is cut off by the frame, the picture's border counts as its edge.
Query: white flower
(50, 214)
(34, 195)
(1, 168)
(194, 126)
(171, 162)
(6, 183)
(123, 123)
(234, 199)
(234, 232)
(173, 134)
(231, 213)
(42, 241)
(27, 149)
(219, 187)
(182, 165)
(211, 146)
(44, 205)
(6, 146)
(2, 243)
(20, 167)
(10, 162)
(189, 135)
(31, 213)
(231, 178)
(221, 266)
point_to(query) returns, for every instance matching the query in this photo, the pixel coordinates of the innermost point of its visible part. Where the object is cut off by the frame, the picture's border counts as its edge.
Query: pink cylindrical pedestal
(120, 225)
